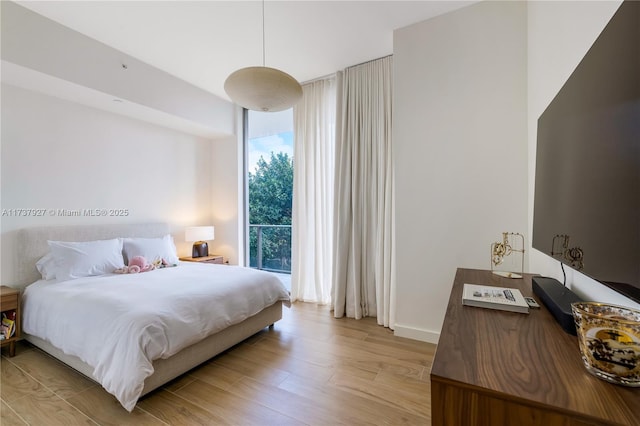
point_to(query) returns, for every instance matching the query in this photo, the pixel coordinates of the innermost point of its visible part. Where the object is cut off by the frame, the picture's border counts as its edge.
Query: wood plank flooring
(311, 369)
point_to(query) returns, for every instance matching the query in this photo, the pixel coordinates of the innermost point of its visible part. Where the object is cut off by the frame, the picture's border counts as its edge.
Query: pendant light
(263, 88)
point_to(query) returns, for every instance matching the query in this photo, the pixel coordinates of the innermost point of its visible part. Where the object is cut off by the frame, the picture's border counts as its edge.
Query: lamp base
(200, 249)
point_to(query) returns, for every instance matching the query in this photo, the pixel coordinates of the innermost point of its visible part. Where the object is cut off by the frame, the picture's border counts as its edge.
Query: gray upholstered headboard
(32, 242)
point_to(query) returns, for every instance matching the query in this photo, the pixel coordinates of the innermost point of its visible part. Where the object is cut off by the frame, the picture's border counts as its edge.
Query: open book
(502, 298)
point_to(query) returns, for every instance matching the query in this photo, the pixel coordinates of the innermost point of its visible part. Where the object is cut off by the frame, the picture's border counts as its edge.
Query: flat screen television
(587, 181)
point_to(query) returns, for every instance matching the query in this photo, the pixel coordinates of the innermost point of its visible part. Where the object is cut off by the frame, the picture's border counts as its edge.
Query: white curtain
(364, 255)
(313, 174)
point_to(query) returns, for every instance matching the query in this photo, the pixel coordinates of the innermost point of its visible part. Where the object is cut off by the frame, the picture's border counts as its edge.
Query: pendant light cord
(263, 41)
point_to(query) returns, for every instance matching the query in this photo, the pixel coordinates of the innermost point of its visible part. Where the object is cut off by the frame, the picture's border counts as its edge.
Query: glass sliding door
(269, 174)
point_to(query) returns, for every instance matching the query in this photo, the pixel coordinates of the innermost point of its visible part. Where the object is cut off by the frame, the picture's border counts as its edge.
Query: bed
(134, 332)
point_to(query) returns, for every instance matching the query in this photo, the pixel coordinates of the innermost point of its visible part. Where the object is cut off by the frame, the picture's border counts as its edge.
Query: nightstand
(205, 259)
(10, 305)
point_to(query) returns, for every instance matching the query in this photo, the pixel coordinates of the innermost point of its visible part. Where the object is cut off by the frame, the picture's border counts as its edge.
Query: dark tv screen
(587, 181)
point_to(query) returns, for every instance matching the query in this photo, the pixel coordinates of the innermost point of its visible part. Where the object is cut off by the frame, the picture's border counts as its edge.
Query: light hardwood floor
(311, 369)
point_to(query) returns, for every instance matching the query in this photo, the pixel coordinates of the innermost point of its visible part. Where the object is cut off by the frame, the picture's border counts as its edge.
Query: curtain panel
(363, 278)
(313, 184)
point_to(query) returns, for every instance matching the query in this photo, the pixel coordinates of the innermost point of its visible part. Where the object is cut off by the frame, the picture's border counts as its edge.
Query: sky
(264, 146)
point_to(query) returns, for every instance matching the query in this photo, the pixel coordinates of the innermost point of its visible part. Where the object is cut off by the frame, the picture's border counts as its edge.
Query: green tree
(271, 191)
(270, 203)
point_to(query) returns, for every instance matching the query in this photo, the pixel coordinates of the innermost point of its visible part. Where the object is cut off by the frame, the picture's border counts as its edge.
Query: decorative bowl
(609, 339)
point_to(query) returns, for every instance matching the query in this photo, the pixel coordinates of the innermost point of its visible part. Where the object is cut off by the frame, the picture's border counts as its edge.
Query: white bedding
(119, 324)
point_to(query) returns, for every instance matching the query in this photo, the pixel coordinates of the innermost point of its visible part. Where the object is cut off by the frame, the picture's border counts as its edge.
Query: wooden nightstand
(214, 258)
(10, 304)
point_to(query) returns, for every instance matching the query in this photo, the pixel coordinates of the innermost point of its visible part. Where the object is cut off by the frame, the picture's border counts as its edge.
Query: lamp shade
(199, 233)
(263, 89)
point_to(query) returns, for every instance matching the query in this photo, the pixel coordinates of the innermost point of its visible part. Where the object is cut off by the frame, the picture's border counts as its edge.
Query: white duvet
(119, 324)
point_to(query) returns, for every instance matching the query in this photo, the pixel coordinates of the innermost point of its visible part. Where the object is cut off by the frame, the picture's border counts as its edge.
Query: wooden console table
(502, 368)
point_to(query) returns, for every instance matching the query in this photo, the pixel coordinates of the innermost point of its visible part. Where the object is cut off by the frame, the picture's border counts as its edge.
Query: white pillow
(151, 248)
(87, 258)
(47, 266)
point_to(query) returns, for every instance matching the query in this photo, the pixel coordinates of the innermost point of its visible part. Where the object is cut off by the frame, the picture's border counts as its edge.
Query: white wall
(62, 155)
(227, 168)
(460, 151)
(67, 145)
(554, 49)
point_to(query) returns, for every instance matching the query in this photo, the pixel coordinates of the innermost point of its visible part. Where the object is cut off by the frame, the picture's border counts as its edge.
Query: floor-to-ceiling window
(269, 162)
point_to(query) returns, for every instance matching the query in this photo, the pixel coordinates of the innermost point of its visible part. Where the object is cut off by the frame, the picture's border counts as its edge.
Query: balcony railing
(270, 247)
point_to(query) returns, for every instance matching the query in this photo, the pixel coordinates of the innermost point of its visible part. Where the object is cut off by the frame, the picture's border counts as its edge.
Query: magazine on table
(502, 298)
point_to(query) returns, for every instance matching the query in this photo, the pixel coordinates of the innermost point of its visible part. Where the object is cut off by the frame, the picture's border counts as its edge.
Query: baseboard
(416, 333)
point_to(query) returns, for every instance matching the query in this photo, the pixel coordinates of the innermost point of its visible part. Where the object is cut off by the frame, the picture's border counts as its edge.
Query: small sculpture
(511, 242)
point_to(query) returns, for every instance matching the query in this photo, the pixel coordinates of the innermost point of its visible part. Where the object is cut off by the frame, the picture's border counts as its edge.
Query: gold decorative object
(573, 255)
(609, 340)
(512, 242)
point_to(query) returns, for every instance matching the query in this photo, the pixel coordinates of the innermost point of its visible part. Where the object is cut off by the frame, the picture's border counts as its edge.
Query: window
(270, 189)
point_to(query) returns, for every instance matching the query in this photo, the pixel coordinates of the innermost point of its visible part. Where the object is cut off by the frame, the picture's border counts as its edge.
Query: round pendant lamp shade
(263, 89)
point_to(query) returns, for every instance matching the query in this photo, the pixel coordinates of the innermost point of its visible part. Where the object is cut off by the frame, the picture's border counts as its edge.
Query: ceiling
(202, 42)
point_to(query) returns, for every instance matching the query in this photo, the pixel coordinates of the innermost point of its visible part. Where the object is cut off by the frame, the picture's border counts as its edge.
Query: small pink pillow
(136, 264)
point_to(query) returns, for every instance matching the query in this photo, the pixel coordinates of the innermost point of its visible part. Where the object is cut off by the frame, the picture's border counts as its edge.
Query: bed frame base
(168, 369)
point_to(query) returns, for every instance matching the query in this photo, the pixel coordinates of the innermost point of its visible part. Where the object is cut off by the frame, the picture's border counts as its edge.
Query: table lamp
(198, 235)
